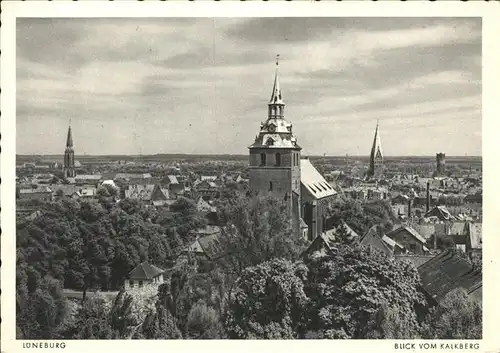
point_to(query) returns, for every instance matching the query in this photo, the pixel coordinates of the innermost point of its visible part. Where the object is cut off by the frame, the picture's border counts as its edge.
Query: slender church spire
(69, 156)
(376, 156)
(69, 139)
(276, 103)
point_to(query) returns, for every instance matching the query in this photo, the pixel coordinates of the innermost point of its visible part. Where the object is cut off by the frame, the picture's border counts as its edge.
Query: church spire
(69, 156)
(376, 156)
(69, 139)
(276, 104)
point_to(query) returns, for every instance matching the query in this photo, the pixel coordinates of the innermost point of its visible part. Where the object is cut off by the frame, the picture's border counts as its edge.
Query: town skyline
(156, 101)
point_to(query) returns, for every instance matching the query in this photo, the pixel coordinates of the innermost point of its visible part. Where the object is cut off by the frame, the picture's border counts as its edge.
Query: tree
(268, 302)
(41, 306)
(258, 230)
(351, 285)
(159, 325)
(203, 322)
(92, 321)
(457, 316)
(361, 216)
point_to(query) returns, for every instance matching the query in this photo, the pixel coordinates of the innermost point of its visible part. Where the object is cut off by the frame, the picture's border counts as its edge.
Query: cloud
(153, 84)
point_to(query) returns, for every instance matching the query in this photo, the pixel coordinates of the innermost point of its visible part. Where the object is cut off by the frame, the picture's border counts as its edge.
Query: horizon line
(227, 154)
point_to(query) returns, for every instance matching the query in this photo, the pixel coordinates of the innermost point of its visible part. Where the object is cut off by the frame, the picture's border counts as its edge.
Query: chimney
(428, 204)
(409, 207)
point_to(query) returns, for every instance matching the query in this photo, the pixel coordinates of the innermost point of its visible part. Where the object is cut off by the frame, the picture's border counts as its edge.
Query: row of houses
(440, 272)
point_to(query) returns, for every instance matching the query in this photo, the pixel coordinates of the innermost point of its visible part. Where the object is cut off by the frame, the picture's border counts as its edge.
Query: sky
(201, 85)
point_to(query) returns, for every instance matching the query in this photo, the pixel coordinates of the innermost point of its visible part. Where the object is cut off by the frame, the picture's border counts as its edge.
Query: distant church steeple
(376, 156)
(69, 156)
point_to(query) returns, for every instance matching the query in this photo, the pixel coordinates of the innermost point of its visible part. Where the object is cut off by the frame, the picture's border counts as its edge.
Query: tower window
(270, 186)
(262, 159)
(278, 159)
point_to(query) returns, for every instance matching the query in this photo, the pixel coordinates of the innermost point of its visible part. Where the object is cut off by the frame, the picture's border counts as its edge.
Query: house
(375, 240)
(400, 200)
(207, 247)
(173, 184)
(148, 193)
(84, 193)
(134, 178)
(447, 271)
(324, 243)
(204, 206)
(320, 246)
(144, 274)
(40, 193)
(441, 212)
(87, 179)
(410, 239)
(207, 189)
(466, 235)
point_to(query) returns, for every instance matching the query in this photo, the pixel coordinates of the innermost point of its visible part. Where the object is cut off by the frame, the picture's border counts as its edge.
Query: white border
(489, 11)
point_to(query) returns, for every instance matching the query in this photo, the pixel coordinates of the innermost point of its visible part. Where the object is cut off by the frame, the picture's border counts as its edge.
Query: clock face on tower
(272, 128)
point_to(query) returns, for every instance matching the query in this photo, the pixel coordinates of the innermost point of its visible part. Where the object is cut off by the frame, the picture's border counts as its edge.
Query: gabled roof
(145, 271)
(313, 181)
(172, 179)
(441, 212)
(210, 245)
(409, 230)
(447, 271)
(373, 240)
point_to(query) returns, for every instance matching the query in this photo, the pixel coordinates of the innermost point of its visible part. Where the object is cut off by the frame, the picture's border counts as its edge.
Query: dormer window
(270, 142)
(271, 127)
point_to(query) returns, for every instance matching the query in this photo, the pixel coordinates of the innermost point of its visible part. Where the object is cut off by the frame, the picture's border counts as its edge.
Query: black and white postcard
(321, 174)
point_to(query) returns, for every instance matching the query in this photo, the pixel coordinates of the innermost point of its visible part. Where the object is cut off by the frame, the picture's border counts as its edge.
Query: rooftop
(313, 181)
(145, 271)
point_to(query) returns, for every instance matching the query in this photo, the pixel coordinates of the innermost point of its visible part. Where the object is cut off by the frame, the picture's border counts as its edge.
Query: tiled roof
(172, 179)
(88, 177)
(425, 230)
(39, 190)
(447, 271)
(313, 181)
(417, 260)
(441, 212)
(408, 229)
(373, 240)
(145, 271)
(132, 176)
(209, 245)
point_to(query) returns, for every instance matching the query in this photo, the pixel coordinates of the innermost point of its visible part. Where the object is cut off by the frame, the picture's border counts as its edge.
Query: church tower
(275, 155)
(69, 157)
(376, 156)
